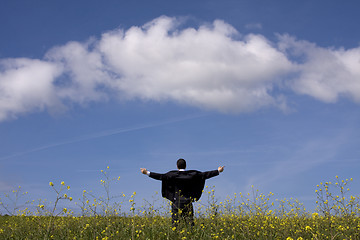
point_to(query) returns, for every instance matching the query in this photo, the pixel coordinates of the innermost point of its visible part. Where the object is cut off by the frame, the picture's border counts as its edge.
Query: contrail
(100, 135)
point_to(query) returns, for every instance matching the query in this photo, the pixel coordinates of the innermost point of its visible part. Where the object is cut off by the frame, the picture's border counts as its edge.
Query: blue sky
(271, 90)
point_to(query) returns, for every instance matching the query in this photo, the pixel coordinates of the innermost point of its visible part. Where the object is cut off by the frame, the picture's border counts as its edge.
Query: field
(244, 216)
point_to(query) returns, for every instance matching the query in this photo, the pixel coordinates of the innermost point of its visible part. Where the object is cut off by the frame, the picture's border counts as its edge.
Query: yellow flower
(62, 183)
(70, 198)
(68, 187)
(341, 228)
(308, 228)
(65, 210)
(315, 215)
(51, 183)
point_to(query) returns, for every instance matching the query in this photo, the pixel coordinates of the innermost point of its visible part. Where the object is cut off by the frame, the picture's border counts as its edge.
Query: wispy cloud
(101, 134)
(212, 67)
(253, 26)
(4, 187)
(309, 155)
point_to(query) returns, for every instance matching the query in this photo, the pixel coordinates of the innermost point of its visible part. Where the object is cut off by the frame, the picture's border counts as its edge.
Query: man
(182, 188)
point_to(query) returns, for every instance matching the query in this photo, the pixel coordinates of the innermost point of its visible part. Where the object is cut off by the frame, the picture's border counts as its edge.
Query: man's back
(185, 182)
(182, 188)
(188, 184)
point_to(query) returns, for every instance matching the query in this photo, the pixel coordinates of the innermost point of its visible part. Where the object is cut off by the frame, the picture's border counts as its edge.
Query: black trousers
(182, 211)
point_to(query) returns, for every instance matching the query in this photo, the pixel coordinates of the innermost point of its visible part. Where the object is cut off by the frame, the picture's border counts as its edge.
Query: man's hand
(221, 168)
(143, 170)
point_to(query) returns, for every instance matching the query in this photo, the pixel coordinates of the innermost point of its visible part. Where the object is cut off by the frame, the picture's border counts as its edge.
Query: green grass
(157, 227)
(243, 216)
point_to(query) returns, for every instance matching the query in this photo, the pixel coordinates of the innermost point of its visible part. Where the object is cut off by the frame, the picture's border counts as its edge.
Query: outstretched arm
(156, 176)
(210, 174)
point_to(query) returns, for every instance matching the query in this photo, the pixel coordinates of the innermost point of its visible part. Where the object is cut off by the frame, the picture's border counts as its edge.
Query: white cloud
(26, 85)
(204, 67)
(86, 76)
(211, 67)
(325, 73)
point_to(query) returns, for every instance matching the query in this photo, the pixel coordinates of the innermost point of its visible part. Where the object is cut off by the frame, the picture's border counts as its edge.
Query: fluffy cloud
(84, 76)
(27, 85)
(212, 67)
(325, 74)
(203, 67)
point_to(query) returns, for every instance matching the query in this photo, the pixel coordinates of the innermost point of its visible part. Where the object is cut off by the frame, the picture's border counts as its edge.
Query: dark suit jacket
(188, 184)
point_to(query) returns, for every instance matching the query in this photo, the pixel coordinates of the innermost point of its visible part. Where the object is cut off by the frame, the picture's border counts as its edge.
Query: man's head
(181, 163)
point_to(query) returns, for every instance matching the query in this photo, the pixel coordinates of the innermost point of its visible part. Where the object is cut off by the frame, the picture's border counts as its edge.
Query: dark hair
(181, 163)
